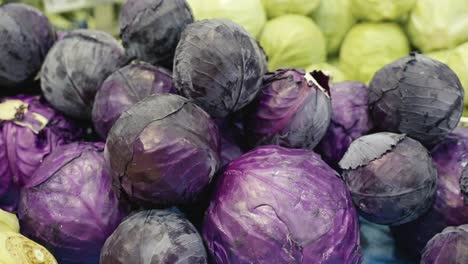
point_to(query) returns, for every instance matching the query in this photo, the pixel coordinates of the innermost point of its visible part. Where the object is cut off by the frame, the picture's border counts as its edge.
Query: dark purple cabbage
(417, 96)
(30, 129)
(293, 110)
(69, 205)
(124, 88)
(151, 29)
(449, 209)
(75, 68)
(219, 65)
(164, 151)
(350, 120)
(448, 247)
(154, 236)
(279, 205)
(230, 141)
(26, 36)
(391, 177)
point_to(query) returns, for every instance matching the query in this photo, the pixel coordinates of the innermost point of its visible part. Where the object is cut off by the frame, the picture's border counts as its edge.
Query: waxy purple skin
(23, 149)
(69, 205)
(289, 111)
(124, 88)
(449, 246)
(416, 96)
(75, 68)
(450, 156)
(279, 205)
(151, 29)
(391, 177)
(26, 36)
(163, 151)
(350, 120)
(154, 236)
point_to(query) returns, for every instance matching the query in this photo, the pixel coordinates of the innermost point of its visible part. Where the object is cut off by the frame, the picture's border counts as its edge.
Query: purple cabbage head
(391, 177)
(30, 130)
(219, 65)
(26, 36)
(449, 246)
(164, 150)
(75, 68)
(417, 96)
(151, 29)
(124, 88)
(69, 205)
(350, 120)
(293, 110)
(279, 205)
(154, 236)
(450, 157)
(230, 139)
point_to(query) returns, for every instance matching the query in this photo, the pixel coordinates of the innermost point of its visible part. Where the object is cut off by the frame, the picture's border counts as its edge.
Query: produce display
(233, 131)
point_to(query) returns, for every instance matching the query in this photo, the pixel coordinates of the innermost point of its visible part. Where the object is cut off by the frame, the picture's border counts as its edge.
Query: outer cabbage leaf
(276, 8)
(449, 246)
(376, 10)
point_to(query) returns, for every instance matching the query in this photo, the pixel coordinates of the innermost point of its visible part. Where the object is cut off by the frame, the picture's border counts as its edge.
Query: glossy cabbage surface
(449, 246)
(376, 10)
(219, 66)
(163, 151)
(35, 131)
(283, 40)
(450, 157)
(154, 236)
(350, 120)
(291, 110)
(69, 205)
(250, 14)
(417, 96)
(276, 8)
(334, 18)
(26, 36)
(435, 25)
(279, 205)
(75, 68)
(369, 46)
(151, 29)
(391, 177)
(124, 88)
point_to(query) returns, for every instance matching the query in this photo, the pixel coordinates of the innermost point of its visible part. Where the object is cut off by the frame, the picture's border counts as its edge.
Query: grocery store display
(418, 96)
(281, 205)
(293, 110)
(15, 248)
(367, 47)
(26, 36)
(69, 205)
(154, 236)
(219, 66)
(449, 208)
(249, 14)
(391, 177)
(124, 88)
(237, 131)
(75, 68)
(449, 246)
(282, 39)
(164, 151)
(30, 129)
(350, 120)
(150, 30)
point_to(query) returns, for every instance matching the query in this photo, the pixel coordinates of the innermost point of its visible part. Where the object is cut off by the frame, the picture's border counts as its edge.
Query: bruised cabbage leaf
(391, 177)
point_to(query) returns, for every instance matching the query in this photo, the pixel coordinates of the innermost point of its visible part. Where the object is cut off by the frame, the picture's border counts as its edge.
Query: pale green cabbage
(292, 41)
(336, 74)
(276, 8)
(438, 24)
(458, 62)
(369, 46)
(334, 18)
(381, 10)
(247, 13)
(440, 55)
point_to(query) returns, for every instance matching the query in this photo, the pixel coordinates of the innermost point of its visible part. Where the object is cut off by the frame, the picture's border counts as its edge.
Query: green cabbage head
(336, 74)
(276, 8)
(381, 10)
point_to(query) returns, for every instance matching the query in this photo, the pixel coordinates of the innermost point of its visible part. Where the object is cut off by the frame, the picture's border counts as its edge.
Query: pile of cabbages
(177, 145)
